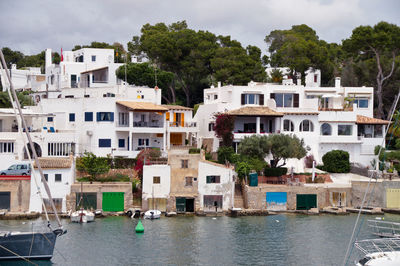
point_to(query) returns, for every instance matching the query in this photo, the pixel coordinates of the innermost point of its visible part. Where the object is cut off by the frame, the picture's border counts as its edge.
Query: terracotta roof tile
(142, 106)
(254, 111)
(370, 120)
(176, 107)
(54, 163)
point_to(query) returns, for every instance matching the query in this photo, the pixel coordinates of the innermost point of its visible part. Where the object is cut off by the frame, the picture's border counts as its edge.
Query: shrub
(225, 154)
(123, 163)
(194, 150)
(275, 171)
(320, 167)
(336, 161)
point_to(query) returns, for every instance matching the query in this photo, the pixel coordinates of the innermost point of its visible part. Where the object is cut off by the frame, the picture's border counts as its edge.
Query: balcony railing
(185, 124)
(148, 124)
(344, 109)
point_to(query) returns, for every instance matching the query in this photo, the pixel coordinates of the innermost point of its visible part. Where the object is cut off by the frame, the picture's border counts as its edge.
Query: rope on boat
(19, 256)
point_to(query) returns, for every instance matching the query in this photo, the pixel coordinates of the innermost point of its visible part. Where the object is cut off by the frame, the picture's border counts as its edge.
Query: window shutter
(167, 116)
(261, 99)
(182, 119)
(147, 142)
(272, 96)
(112, 116)
(296, 100)
(174, 117)
(98, 116)
(243, 98)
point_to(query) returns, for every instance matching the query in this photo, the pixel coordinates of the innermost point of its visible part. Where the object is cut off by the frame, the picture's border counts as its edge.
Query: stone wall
(255, 197)
(20, 192)
(129, 172)
(377, 192)
(99, 188)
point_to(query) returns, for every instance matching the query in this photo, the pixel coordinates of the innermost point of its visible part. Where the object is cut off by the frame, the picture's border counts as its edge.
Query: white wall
(150, 190)
(57, 189)
(225, 188)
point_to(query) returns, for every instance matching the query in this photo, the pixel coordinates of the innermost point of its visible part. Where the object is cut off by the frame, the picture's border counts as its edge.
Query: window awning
(370, 120)
(254, 111)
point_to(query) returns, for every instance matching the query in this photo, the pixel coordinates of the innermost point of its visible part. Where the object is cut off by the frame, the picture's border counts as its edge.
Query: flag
(62, 57)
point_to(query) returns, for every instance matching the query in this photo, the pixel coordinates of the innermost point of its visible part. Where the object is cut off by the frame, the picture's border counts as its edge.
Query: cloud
(32, 26)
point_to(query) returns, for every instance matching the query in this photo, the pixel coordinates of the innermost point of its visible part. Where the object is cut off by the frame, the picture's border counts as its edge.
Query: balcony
(154, 124)
(185, 124)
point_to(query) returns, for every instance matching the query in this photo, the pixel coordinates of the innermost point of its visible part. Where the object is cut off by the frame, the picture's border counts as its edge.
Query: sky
(32, 26)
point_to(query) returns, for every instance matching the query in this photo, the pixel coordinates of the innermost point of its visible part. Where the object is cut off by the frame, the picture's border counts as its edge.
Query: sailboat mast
(46, 186)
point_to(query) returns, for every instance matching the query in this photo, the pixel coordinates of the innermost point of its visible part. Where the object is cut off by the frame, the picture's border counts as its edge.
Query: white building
(29, 78)
(216, 186)
(60, 175)
(325, 117)
(188, 183)
(312, 76)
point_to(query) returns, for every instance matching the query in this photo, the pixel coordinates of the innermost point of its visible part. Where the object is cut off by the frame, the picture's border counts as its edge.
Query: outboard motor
(136, 214)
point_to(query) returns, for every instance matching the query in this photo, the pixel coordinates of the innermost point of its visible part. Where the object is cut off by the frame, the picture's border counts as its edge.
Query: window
(121, 143)
(93, 58)
(307, 126)
(345, 130)
(249, 127)
(189, 181)
(361, 102)
(257, 99)
(46, 176)
(57, 177)
(60, 149)
(123, 119)
(109, 94)
(213, 179)
(288, 125)
(104, 143)
(211, 127)
(184, 163)
(105, 116)
(326, 129)
(215, 97)
(6, 147)
(143, 142)
(156, 180)
(50, 119)
(69, 96)
(88, 116)
(286, 99)
(71, 117)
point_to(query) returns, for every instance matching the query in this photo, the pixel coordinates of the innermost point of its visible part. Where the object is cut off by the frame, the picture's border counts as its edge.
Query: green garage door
(113, 201)
(5, 200)
(306, 201)
(180, 204)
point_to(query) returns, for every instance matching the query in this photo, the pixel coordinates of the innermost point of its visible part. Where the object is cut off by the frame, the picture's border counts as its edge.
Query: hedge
(275, 171)
(336, 161)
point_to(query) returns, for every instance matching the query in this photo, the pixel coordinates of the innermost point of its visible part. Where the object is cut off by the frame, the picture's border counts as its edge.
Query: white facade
(59, 181)
(26, 79)
(325, 117)
(159, 190)
(225, 185)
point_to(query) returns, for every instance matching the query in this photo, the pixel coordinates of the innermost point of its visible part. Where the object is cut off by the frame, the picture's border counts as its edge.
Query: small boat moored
(82, 216)
(152, 214)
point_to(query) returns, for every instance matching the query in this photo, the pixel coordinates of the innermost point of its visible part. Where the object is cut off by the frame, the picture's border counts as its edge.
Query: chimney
(337, 82)
(48, 61)
(219, 84)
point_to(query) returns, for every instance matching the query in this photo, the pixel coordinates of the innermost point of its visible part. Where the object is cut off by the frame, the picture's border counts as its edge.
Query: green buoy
(139, 227)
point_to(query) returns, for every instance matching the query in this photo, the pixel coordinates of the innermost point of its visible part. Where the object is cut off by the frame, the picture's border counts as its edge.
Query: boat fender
(129, 213)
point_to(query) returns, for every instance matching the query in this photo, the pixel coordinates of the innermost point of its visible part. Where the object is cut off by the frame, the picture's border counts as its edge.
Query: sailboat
(29, 245)
(376, 251)
(82, 215)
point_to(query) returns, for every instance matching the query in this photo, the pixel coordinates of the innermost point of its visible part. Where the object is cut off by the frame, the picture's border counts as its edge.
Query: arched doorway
(37, 149)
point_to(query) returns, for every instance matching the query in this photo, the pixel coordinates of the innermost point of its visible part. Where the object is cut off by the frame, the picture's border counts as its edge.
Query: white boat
(82, 216)
(385, 252)
(152, 214)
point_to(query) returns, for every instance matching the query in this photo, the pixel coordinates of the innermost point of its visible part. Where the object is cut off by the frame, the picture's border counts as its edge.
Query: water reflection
(285, 239)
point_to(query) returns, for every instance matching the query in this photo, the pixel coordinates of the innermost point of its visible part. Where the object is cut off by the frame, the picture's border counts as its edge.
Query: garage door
(113, 201)
(88, 200)
(306, 201)
(5, 200)
(393, 198)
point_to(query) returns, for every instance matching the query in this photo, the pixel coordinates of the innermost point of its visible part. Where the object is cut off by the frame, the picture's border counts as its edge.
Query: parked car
(17, 169)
